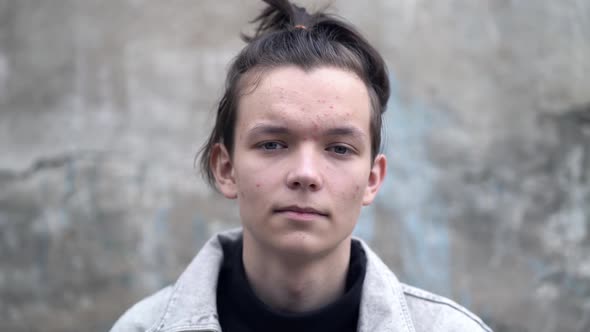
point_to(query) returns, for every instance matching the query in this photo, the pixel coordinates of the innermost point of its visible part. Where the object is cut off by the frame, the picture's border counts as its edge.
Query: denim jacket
(386, 303)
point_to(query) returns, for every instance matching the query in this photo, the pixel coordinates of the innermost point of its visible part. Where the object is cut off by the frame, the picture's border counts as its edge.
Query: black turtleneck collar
(240, 310)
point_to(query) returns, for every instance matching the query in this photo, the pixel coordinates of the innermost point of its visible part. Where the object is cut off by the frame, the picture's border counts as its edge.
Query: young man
(296, 144)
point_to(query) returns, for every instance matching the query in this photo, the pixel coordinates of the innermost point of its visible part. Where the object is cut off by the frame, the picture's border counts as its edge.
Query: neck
(298, 285)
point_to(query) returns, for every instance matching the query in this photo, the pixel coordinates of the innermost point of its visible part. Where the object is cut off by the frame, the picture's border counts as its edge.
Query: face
(301, 167)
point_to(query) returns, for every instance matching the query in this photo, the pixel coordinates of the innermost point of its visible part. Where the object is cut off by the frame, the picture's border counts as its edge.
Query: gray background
(103, 105)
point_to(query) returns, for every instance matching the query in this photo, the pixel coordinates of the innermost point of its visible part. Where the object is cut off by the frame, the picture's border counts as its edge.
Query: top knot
(280, 15)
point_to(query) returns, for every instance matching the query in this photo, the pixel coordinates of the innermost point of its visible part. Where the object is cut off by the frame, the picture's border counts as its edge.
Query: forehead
(291, 96)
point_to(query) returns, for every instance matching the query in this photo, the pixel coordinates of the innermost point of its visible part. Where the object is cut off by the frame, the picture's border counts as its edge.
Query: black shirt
(240, 310)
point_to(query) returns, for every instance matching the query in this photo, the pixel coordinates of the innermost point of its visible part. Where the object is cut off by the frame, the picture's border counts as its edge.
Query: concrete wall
(103, 105)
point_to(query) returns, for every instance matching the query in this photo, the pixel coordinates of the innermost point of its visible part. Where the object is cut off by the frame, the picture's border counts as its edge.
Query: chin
(303, 245)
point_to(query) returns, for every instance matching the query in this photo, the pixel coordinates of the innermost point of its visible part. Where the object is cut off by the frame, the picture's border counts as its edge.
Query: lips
(301, 211)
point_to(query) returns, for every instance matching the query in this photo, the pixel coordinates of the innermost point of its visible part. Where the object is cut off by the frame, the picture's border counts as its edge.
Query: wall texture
(103, 105)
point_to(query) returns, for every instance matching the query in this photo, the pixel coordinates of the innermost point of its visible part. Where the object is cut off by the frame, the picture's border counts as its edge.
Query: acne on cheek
(353, 193)
(357, 190)
(241, 194)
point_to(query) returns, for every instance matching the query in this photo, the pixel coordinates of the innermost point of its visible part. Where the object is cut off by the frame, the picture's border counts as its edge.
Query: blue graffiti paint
(365, 227)
(465, 298)
(408, 193)
(42, 250)
(92, 179)
(69, 191)
(161, 220)
(69, 180)
(141, 175)
(540, 269)
(200, 231)
(160, 254)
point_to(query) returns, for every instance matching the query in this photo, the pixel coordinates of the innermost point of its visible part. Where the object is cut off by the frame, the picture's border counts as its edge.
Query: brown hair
(287, 35)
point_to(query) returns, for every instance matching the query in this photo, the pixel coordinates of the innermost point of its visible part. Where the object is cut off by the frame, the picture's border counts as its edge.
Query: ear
(223, 170)
(376, 178)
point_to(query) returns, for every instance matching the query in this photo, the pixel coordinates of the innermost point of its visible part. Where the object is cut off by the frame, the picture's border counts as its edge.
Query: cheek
(350, 191)
(252, 183)
(357, 192)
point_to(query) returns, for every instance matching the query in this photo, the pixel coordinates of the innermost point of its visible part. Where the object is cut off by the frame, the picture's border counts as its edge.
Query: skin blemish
(258, 186)
(357, 190)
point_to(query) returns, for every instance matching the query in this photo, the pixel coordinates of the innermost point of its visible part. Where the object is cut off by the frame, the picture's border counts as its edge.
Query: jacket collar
(193, 305)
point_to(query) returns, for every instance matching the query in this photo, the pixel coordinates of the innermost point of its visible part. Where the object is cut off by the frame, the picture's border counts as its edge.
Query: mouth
(300, 212)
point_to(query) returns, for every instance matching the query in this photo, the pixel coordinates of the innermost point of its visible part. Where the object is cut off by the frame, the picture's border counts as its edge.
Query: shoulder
(432, 312)
(144, 314)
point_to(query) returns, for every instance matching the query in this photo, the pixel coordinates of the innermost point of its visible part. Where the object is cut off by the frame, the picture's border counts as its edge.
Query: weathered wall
(104, 104)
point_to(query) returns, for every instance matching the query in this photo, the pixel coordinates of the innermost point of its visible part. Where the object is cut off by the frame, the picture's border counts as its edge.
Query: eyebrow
(277, 129)
(345, 131)
(261, 129)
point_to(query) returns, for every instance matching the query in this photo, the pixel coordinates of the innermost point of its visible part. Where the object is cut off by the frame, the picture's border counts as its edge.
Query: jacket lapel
(383, 304)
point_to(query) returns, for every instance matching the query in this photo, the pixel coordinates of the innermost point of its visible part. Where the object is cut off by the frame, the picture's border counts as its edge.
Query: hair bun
(279, 15)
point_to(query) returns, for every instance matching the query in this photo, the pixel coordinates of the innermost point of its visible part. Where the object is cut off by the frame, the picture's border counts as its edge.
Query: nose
(304, 173)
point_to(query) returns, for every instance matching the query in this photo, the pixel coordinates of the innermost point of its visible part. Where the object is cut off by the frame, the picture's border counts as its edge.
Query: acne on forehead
(255, 78)
(294, 94)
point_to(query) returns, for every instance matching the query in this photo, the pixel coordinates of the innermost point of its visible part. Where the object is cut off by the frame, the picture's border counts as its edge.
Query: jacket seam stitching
(432, 299)
(193, 327)
(159, 323)
(404, 310)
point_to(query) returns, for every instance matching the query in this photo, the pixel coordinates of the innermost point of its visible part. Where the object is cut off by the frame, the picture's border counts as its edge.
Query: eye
(272, 145)
(339, 149)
